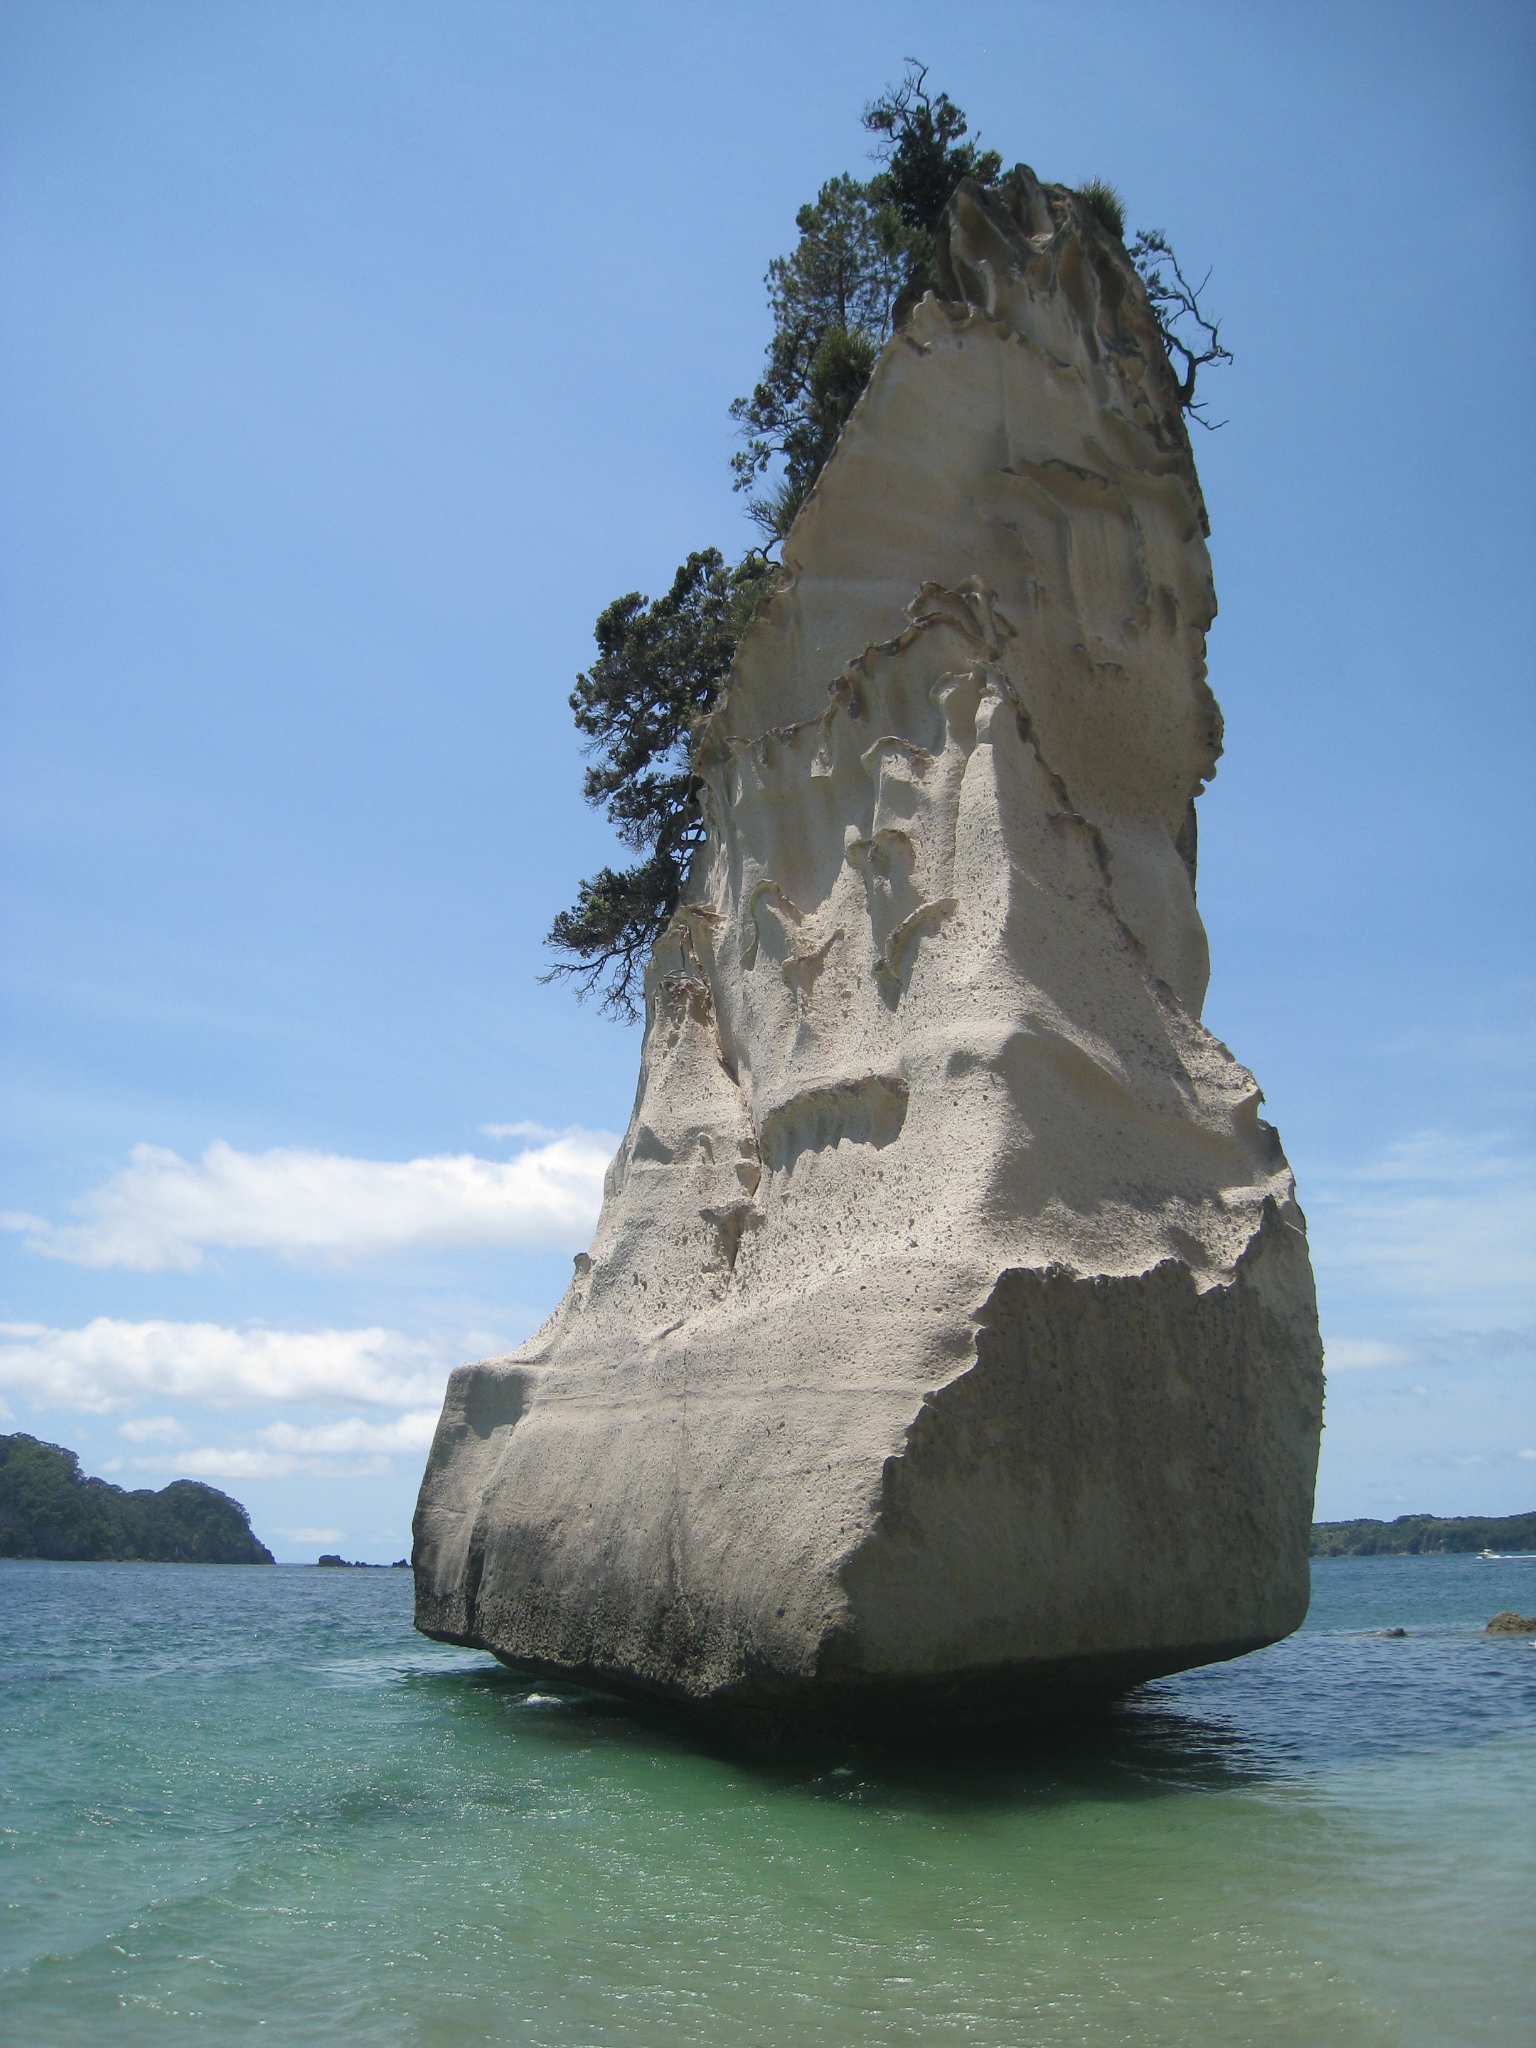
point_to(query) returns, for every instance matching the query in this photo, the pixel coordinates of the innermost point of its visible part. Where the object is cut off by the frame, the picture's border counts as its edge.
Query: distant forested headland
(1424, 1536)
(49, 1509)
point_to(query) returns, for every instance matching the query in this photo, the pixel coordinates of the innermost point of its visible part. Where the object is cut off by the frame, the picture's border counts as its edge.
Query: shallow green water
(255, 1805)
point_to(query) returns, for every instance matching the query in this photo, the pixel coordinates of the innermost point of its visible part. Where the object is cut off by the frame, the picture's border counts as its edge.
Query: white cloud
(110, 1364)
(1529, 1454)
(245, 1461)
(351, 1446)
(536, 1133)
(162, 1210)
(313, 1535)
(153, 1429)
(1463, 1350)
(233, 1461)
(1361, 1354)
(1434, 1345)
(412, 1432)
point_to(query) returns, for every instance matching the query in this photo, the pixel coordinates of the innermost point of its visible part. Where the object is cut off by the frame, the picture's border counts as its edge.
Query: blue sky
(352, 357)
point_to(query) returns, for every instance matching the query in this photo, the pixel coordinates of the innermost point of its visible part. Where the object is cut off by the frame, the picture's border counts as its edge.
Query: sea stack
(947, 1352)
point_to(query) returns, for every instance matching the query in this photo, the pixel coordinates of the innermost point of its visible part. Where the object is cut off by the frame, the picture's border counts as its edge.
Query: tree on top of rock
(832, 300)
(925, 153)
(659, 668)
(863, 257)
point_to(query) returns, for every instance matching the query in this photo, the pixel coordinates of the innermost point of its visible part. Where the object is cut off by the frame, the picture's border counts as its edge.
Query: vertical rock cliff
(948, 1348)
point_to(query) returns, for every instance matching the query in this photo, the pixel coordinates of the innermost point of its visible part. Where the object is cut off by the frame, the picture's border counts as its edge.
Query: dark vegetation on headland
(1424, 1536)
(49, 1509)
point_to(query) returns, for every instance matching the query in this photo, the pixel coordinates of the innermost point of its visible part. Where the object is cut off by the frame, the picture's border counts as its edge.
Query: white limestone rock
(948, 1349)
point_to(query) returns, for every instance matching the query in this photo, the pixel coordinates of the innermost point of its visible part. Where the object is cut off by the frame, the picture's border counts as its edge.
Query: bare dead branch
(1176, 305)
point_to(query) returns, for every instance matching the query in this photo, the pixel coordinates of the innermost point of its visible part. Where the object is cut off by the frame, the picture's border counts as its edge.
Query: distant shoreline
(50, 1511)
(1426, 1536)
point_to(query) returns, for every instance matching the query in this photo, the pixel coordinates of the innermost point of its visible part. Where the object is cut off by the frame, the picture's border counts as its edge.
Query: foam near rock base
(947, 1349)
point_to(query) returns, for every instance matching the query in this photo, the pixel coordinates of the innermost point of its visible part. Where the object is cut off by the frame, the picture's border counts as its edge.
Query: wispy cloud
(1434, 1345)
(1362, 1354)
(163, 1211)
(354, 1433)
(1444, 1221)
(110, 1364)
(349, 1447)
(248, 1461)
(153, 1429)
(287, 1443)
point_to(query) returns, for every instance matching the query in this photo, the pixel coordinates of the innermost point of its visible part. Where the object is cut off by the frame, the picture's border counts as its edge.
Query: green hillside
(48, 1508)
(1424, 1535)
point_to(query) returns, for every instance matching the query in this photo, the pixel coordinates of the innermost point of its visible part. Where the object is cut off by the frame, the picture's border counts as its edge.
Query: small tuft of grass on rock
(1105, 204)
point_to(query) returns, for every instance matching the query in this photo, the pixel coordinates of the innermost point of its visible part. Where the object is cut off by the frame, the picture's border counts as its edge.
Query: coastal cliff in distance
(947, 1351)
(49, 1509)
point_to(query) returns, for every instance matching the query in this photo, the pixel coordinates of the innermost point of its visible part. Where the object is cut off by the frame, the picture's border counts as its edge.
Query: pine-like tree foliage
(925, 152)
(660, 664)
(864, 253)
(924, 149)
(832, 301)
(863, 258)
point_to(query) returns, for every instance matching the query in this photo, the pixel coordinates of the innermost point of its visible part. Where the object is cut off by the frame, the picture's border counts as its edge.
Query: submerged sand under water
(254, 1805)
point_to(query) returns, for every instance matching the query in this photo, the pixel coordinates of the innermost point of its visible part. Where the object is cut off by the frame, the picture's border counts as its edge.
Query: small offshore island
(49, 1509)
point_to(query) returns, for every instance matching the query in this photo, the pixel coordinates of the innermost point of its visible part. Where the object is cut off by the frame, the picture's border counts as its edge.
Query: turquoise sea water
(253, 1805)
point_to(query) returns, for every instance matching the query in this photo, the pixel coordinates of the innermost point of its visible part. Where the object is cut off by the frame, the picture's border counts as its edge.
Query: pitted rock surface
(947, 1350)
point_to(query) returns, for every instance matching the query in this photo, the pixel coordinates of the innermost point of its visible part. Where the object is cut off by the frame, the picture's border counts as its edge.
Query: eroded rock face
(948, 1347)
